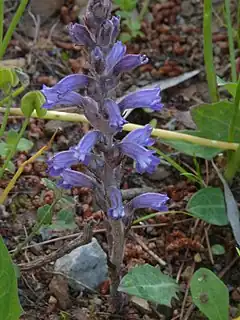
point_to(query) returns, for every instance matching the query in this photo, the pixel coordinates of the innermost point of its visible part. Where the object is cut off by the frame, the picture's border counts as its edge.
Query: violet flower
(99, 150)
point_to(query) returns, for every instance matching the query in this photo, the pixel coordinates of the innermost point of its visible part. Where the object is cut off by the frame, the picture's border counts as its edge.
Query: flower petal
(145, 160)
(69, 99)
(62, 92)
(80, 35)
(71, 178)
(144, 98)
(116, 29)
(156, 201)
(115, 55)
(117, 210)
(116, 121)
(140, 136)
(61, 161)
(86, 144)
(129, 62)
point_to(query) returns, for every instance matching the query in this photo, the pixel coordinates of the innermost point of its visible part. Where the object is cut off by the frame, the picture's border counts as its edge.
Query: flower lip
(145, 159)
(86, 144)
(140, 136)
(115, 55)
(61, 161)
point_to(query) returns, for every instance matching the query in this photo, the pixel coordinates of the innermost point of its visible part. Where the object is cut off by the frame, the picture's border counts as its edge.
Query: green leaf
(3, 149)
(214, 120)
(149, 283)
(231, 87)
(192, 149)
(25, 145)
(49, 184)
(210, 294)
(11, 167)
(8, 79)
(44, 214)
(208, 204)
(11, 138)
(125, 37)
(217, 249)
(33, 101)
(9, 301)
(64, 220)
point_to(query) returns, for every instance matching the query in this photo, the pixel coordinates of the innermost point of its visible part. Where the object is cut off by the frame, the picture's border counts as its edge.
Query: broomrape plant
(99, 150)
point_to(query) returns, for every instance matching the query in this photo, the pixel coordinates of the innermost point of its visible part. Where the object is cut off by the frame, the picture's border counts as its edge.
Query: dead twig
(80, 241)
(208, 245)
(150, 252)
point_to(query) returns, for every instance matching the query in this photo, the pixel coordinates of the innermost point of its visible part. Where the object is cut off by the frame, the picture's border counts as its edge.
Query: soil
(174, 43)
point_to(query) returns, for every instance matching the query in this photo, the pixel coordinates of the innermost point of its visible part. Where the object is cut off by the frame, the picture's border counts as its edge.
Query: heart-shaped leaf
(208, 204)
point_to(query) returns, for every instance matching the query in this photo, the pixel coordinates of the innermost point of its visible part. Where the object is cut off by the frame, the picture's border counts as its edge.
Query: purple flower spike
(144, 98)
(156, 201)
(71, 178)
(116, 121)
(62, 92)
(86, 144)
(117, 210)
(130, 62)
(61, 161)
(140, 136)
(80, 35)
(145, 160)
(115, 55)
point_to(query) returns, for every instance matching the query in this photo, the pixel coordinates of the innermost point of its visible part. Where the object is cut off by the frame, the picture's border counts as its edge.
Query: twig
(80, 241)
(75, 235)
(208, 246)
(150, 252)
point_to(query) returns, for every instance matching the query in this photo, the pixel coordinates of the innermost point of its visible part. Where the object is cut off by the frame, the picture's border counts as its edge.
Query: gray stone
(85, 266)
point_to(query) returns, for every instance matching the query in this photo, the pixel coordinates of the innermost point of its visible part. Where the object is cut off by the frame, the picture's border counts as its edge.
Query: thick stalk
(208, 51)
(230, 41)
(1, 20)
(160, 133)
(232, 166)
(14, 147)
(233, 157)
(12, 27)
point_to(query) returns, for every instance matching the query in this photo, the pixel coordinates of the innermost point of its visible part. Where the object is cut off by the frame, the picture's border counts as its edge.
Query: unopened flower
(143, 98)
(80, 35)
(116, 210)
(116, 121)
(129, 62)
(71, 178)
(115, 55)
(63, 91)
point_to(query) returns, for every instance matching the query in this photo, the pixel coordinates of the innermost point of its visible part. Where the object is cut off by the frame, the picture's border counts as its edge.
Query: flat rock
(85, 267)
